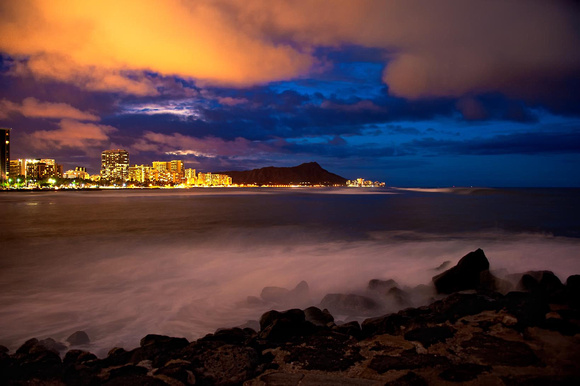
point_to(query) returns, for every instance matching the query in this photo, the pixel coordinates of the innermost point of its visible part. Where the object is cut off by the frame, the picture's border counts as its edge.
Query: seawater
(120, 264)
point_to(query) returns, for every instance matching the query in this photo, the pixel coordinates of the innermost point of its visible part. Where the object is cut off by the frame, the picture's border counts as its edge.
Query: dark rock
(325, 351)
(541, 283)
(3, 349)
(284, 329)
(27, 346)
(274, 294)
(157, 348)
(231, 335)
(318, 317)
(349, 304)
(351, 328)
(409, 379)
(573, 283)
(39, 362)
(408, 359)
(224, 365)
(177, 369)
(465, 275)
(540, 380)
(464, 372)
(500, 352)
(443, 266)
(117, 356)
(400, 297)
(51, 344)
(78, 356)
(529, 309)
(135, 380)
(458, 305)
(381, 286)
(430, 335)
(78, 338)
(294, 316)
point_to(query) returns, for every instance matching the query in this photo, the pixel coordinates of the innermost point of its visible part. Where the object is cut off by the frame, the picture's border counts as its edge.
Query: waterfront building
(115, 165)
(212, 179)
(17, 168)
(143, 174)
(190, 177)
(4, 154)
(42, 168)
(79, 172)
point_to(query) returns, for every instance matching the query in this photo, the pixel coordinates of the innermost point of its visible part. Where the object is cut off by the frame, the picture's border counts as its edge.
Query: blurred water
(122, 264)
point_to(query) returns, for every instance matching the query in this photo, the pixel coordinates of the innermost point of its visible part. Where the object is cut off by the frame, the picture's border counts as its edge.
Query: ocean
(120, 264)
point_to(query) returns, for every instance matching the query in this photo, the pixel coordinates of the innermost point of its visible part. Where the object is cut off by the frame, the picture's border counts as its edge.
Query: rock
(526, 307)
(573, 283)
(408, 359)
(78, 356)
(465, 275)
(351, 328)
(275, 294)
(381, 286)
(318, 317)
(224, 365)
(349, 304)
(495, 351)
(157, 348)
(399, 297)
(463, 372)
(430, 335)
(179, 370)
(443, 266)
(409, 379)
(231, 335)
(297, 296)
(78, 338)
(281, 326)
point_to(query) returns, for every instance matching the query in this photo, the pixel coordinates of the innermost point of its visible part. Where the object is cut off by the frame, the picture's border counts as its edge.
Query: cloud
(72, 134)
(32, 108)
(431, 49)
(208, 147)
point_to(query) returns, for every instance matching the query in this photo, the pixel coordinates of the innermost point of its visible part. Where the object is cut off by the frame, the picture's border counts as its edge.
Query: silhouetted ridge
(310, 173)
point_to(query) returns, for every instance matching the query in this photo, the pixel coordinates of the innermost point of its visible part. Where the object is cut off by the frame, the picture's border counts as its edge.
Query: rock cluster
(475, 335)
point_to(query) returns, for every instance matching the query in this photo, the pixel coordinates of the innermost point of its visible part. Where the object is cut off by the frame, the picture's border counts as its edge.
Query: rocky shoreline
(482, 332)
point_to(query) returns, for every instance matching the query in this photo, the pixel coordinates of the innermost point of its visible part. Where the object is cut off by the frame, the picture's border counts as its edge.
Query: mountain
(310, 173)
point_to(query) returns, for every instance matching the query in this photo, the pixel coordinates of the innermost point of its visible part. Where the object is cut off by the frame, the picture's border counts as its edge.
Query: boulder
(282, 326)
(349, 304)
(467, 274)
(78, 338)
(297, 296)
(381, 286)
(318, 317)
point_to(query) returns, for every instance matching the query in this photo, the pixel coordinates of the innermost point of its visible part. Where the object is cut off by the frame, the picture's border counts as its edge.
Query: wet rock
(381, 286)
(465, 275)
(464, 372)
(78, 356)
(178, 370)
(349, 304)
(442, 266)
(231, 335)
(78, 338)
(399, 297)
(351, 328)
(157, 348)
(300, 294)
(526, 307)
(428, 336)
(326, 351)
(224, 365)
(408, 359)
(281, 326)
(573, 283)
(495, 351)
(36, 361)
(318, 317)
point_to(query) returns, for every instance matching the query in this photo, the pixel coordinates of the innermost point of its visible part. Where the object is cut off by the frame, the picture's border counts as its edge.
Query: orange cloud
(33, 108)
(72, 134)
(443, 48)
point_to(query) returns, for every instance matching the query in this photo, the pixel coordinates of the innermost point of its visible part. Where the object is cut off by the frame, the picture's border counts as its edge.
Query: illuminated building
(4, 154)
(172, 172)
(42, 168)
(143, 173)
(79, 172)
(210, 179)
(190, 177)
(17, 168)
(115, 165)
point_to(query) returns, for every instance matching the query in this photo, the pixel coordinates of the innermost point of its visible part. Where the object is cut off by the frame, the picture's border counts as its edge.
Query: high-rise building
(4, 154)
(17, 168)
(42, 168)
(115, 165)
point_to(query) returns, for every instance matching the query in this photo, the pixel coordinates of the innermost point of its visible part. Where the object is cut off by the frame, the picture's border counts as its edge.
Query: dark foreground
(475, 335)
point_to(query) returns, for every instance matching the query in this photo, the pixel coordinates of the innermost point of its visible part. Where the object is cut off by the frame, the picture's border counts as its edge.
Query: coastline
(477, 334)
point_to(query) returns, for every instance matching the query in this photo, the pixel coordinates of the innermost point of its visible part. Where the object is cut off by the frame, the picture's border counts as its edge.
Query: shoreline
(475, 334)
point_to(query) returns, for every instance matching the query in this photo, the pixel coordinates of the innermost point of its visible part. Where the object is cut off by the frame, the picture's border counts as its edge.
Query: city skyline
(415, 93)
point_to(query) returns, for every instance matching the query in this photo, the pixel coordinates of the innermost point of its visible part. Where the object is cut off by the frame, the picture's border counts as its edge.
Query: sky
(410, 92)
